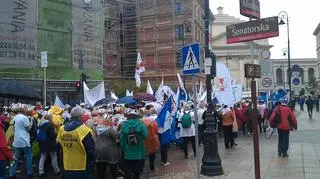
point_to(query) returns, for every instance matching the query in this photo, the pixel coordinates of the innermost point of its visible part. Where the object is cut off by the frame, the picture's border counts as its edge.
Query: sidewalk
(303, 161)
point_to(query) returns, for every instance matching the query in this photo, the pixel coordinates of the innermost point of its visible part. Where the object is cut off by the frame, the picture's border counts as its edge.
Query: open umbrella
(15, 89)
(144, 97)
(104, 101)
(126, 100)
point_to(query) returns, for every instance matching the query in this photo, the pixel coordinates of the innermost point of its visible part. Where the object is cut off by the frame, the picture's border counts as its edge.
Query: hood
(132, 123)
(72, 125)
(225, 111)
(55, 110)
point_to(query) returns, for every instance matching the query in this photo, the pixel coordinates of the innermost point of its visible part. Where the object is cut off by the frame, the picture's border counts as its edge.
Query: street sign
(296, 81)
(252, 71)
(250, 8)
(191, 59)
(253, 30)
(44, 59)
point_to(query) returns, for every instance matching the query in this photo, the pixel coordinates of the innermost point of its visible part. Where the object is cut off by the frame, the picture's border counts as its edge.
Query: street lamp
(284, 19)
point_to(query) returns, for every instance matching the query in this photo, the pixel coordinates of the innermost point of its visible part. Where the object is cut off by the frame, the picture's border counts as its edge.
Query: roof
(317, 30)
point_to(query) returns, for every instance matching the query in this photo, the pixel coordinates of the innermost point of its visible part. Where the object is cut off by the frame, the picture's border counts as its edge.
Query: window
(179, 34)
(279, 75)
(178, 8)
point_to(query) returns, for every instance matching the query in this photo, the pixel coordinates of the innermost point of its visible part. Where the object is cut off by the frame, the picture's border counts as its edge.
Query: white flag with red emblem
(139, 69)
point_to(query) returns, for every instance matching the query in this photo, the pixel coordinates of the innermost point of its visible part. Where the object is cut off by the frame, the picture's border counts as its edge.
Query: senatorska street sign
(250, 8)
(253, 30)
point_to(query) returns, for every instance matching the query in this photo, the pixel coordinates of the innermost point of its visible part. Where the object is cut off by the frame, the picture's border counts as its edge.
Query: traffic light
(84, 77)
(78, 86)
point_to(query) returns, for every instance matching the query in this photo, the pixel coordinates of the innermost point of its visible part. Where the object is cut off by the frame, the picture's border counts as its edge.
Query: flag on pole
(149, 88)
(164, 122)
(113, 95)
(182, 89)
(159, 93)
(139, 69)
(58, 102)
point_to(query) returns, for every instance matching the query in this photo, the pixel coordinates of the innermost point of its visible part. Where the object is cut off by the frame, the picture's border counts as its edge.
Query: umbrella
(126, 100)
(104, 101)
(144, 97)
(18, 90)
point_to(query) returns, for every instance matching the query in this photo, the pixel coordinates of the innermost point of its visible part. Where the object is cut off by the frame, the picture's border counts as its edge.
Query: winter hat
(77, 112)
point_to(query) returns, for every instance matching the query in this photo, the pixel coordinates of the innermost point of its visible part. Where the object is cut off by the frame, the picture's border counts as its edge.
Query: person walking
(317, 103)
(47, 144)
(200, 113)
(309, 104)
(108, 152)
(5, 153)
(21, 142)
(284, 120)
(78, 147)
(187, 129)
(227, 122)
(301, 102)
(152, 142)
(132, 136)
(261, 115)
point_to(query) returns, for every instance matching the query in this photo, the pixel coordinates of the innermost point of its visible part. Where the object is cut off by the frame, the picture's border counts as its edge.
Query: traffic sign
(295, 81)
(191, 59)
(44, 59)
(267, 82)
(252, 71)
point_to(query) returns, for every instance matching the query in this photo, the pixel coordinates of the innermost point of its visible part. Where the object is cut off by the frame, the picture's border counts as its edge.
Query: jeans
(54, 162)
(28, 155)
(310, 111)
(185, 145)
(102, 168)
(164, 153)
(283, 141)
(228, 136)
(261, 125)
(3, 170)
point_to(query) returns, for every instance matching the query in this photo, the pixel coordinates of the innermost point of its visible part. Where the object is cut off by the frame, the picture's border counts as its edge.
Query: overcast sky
(304, 16)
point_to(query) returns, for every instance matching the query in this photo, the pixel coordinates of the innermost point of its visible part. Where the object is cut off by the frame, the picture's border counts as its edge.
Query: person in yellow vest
(78, 147)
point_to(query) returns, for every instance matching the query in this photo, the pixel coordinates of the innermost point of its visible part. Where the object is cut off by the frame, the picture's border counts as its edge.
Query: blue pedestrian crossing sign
(191, 59)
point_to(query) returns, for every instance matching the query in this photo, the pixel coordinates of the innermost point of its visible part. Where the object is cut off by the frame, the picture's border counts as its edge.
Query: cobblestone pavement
(303, 161)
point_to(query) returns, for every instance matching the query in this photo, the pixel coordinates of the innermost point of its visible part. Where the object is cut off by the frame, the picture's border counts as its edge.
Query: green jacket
(133, 152)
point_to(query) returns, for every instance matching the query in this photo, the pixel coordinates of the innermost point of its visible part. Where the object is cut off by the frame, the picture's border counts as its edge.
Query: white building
(316, 33)
(237, 54)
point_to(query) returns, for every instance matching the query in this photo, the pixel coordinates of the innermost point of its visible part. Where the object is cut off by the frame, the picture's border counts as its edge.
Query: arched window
(279, 76)
(302, 75)
(311, 77)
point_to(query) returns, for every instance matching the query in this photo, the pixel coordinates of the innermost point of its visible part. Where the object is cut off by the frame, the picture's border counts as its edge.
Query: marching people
(21, 142)
(261, 115)
(284, 120)
(200, 113)
(47, 144)
(227, 122)
(187, 129)
(78, 147)
(152, 142)
(5, 154)
(108, 151)
(132, 136)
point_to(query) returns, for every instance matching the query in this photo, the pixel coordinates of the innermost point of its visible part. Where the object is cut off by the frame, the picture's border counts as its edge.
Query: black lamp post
(284, 19)
(211, 162)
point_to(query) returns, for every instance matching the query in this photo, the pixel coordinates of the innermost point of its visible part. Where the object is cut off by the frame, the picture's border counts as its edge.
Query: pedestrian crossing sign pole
(191, 59)
(191, 66)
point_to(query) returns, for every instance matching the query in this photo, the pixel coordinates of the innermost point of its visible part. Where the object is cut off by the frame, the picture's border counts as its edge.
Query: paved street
(303, 161)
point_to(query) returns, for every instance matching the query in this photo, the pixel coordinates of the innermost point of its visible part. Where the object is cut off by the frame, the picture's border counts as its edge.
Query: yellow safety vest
(74, 154)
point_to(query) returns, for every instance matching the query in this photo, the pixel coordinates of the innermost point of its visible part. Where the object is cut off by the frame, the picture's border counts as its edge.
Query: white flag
(182, 85)
(58, 102)
(159, 93)
(113, 95)
(128, 93)
(149, 88)
(91, 96)
(139, 69)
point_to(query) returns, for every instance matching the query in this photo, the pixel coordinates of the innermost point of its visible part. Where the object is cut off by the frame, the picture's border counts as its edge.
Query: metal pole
(195, 103)
(44, 86)
(254, 118)
(289, 60)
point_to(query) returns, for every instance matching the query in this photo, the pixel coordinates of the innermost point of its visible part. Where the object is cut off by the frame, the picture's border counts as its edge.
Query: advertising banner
(253, 30)
(250, 8)
(18, 43)
(88, 33)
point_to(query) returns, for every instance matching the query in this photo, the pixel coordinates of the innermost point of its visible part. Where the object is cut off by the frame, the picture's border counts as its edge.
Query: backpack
(186, 120)
(132, 137)
(42, 135)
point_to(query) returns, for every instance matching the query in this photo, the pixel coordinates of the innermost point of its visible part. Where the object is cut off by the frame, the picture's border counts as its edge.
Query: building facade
(316, 33)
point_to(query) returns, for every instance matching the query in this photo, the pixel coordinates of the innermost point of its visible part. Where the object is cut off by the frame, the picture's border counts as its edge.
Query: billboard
(88, 33)
(250, 8)
(18, 43)
(253, 30)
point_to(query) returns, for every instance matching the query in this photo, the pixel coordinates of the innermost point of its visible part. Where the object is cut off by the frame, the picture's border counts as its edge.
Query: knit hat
(77, 111)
